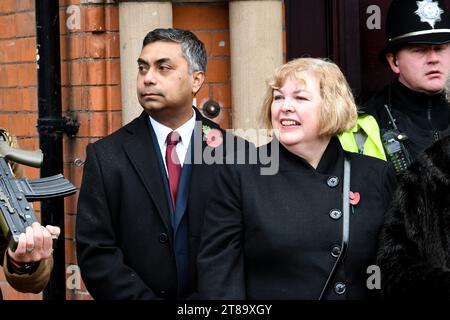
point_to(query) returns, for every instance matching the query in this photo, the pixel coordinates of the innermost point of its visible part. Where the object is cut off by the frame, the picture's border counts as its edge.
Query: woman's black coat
(272, 236)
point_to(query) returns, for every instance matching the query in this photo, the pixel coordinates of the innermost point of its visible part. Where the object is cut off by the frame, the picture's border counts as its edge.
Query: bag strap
(345, 226)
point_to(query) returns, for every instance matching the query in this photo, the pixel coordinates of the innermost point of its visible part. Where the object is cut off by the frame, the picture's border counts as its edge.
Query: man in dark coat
(418, 52)
(414, 251)
(138, 223)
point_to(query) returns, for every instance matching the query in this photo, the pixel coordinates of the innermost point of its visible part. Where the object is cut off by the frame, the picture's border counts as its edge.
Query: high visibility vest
(373, 146)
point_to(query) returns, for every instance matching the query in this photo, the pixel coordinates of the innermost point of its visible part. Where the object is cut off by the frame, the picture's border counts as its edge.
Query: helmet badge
(429, 11)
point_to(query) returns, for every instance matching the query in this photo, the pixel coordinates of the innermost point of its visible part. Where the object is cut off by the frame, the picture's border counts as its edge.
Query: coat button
(336, 251)
(335, 214)
(340, 288)
(333, 181)
(163, 238)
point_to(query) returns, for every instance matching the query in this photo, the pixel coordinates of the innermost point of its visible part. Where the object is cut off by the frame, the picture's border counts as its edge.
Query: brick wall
(209, 22)
(90, 78)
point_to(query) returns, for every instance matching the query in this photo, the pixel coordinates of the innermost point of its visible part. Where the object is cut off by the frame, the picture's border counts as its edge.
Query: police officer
(412, 109)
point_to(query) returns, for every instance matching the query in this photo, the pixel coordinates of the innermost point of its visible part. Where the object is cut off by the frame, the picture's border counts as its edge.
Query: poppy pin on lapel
(213, 137)
(354, 199)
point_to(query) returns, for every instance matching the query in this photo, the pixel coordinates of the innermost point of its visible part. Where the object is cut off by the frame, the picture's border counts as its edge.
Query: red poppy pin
(354, 198)
(213, 136)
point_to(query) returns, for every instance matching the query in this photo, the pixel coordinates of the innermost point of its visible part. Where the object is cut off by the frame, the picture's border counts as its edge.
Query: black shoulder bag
(345, 226)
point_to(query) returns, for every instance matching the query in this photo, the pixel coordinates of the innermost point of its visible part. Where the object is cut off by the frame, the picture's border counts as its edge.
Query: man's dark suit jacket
(126, 247)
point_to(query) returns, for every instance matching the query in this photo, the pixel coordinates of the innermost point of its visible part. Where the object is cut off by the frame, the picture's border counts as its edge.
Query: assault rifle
(16, 213)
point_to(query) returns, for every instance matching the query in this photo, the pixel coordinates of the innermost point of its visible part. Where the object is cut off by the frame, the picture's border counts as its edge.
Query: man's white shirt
(185, 132)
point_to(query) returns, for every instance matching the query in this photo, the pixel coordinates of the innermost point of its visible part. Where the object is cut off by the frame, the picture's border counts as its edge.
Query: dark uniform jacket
(414, 254)
(277, 236)
(126, 246)
(35, 282)
(423, 118)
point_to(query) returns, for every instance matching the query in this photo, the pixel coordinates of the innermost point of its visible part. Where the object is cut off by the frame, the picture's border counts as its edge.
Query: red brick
(26, 49)
(77, 46)
(8, 52)
(37, 206)
(112, 18)
(91, 72)
(21, 124)
(70, 251)
(21, 74)
(218, 70)
(31, 173)
(62, 21)
(29, 143)
(102, 46)
(68, 2)
(220, 44)
(8, 75)
(224, 118)
(4, 75)
(114, 97)
(92, 124)
(18, 99)
(25, 24)
(222, 94)
(69, 226)
(76, 148)
(29, 98)
(73, 173)
(24, 5)
(7, 6)
(87, 98)
(206, 38)
(200, 17)
(93, 19)
(7, 26)
(26, 74)
(3, 121)
(70, 203)
(8, 99)
(65, 98)
(204, 94)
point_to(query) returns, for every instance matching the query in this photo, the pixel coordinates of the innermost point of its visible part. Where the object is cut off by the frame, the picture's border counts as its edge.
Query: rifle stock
(31, 158)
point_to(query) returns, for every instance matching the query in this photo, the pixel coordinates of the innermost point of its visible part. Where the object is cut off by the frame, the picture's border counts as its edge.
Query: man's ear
(198, 77)
(392, 60)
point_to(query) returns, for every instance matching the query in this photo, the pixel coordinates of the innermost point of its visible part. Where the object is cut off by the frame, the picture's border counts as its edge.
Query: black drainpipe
(51, 126)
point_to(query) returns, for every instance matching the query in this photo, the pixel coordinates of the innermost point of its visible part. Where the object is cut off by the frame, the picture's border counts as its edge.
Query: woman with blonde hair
(310, 230)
